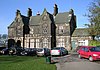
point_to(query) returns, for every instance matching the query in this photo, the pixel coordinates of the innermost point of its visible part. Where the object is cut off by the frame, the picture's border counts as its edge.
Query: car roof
(87, 46)
(57, 47)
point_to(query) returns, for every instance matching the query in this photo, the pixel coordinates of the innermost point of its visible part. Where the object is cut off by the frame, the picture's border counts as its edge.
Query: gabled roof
(50, 15)
(81, 32)
(11, 25)
(34, 20)
(62, 18)
(25, 20)
(44, 12)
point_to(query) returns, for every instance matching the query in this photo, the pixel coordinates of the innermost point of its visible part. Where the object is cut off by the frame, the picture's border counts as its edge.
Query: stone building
(43, 30)
(80, 37)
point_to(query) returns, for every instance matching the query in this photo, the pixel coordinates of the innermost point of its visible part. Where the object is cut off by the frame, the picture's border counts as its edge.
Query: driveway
(72, 62)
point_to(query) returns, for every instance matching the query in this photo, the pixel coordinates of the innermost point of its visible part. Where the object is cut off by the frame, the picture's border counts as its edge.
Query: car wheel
(90, 59)
(79, 56)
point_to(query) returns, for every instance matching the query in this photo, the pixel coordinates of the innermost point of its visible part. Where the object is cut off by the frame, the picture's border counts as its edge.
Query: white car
(43, 52)
(56, 51)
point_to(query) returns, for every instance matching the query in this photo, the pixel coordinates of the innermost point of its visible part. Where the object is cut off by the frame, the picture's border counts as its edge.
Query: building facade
(45, 30)
(80, 37)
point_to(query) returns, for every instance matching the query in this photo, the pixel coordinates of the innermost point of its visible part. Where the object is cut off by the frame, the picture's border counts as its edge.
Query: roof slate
(62, 17)
(34, 20)
(25, 20)
(81, 32)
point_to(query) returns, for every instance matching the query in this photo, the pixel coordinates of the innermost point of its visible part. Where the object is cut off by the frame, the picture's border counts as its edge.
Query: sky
(8, 10)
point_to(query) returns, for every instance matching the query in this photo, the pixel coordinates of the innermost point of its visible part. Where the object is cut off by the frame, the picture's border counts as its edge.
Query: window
(45, 43)
(83, 48)
(86, 49)
(44, 31)
(32, 43)
(60, 42)
(95, 49)
(81, 43)
(31, 32)
(18, 29)
(61, 29)
(45, 28)
(37, 43)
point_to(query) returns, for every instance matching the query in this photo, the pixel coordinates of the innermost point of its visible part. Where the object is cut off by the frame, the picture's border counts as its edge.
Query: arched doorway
(18, 43)
(11, 43)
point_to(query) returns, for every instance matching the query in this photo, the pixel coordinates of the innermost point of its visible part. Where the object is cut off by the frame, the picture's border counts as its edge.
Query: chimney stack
(38, 13)
(29, 14)
(18, 12)
(55, 10)
(71, 11)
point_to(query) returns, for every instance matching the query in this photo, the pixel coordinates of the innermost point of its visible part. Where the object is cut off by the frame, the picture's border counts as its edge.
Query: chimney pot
(29, 14)
(38, 13)
(18, 12)
(55, 10)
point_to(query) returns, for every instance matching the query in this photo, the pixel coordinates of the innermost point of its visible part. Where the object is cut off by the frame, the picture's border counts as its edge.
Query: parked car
(0, 52)
(15, 50)
(56, 51)
(43, 52)
(29, 51)
(5, 51)
(1, 48)
(92, 53)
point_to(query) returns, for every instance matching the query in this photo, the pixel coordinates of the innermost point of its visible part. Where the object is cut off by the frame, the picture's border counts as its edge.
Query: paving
(72, 62)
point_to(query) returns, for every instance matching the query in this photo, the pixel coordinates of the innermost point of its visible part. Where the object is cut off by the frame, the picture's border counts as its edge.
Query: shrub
(94, 43)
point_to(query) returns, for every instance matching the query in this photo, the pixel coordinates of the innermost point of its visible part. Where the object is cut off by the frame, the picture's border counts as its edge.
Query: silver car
(56, 51)
(43, 52)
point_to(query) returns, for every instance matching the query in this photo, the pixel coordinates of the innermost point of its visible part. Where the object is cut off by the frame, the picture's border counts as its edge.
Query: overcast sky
(8, 9)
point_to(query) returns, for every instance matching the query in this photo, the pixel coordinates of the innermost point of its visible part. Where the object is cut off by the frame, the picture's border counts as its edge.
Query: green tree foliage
(94, 43)
(94, 18)
(4, 36)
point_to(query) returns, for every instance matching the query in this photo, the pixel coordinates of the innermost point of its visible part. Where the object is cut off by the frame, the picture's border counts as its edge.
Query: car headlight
(2, 52)
(25, 52)
(95, 54)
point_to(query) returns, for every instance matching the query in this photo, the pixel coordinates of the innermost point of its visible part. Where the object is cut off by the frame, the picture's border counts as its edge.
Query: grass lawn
(24, 63)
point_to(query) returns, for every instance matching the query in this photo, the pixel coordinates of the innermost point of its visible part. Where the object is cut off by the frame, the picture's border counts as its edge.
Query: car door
(81, 51)
(62, 50)
(86, 52)
(65, 51)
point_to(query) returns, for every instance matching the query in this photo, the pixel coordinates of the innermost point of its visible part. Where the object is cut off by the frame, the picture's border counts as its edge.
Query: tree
(94, 18)
(0, 36)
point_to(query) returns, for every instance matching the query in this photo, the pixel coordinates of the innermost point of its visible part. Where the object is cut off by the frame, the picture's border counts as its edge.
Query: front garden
(24, 63)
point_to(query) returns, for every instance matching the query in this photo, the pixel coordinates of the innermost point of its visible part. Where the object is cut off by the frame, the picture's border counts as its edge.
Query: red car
(92, 53)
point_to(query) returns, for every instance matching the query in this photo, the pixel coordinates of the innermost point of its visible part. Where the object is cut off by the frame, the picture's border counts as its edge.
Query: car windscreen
(57, 48)
(39, 50)
(95, 49)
